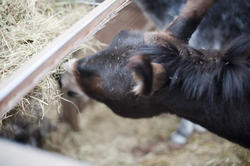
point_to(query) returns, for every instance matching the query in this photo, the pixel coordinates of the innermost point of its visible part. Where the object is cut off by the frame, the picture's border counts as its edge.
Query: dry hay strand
(106, 139)
(243, 154)
(27, 26)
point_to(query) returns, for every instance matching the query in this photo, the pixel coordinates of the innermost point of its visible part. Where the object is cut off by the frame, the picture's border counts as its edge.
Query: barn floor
(106, 139)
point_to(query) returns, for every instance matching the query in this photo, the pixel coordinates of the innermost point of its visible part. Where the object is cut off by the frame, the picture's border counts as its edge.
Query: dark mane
(211, 75)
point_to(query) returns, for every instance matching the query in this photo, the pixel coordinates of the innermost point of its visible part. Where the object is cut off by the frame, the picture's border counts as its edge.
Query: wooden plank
(13, 154)
(13, 88)
(130, 17)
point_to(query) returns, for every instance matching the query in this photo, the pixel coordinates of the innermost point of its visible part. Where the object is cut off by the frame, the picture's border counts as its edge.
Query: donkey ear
(149, 77)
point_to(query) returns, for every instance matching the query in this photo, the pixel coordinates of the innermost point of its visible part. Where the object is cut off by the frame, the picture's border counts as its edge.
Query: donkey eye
(72, 93)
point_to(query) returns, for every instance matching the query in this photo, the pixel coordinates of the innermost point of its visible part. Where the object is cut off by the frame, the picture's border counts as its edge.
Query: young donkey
(147, 74)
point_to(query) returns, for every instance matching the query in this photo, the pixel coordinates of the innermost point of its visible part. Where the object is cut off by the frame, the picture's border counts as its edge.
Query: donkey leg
(179, 137)
(189, 18)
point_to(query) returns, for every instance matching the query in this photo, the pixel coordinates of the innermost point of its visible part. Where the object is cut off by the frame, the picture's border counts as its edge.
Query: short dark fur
(199, 75)
(225, 21)
(189, 25)
(196, 78)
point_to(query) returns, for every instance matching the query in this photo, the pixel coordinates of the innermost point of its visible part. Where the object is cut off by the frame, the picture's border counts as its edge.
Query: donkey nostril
(72, 93)
(85, 69)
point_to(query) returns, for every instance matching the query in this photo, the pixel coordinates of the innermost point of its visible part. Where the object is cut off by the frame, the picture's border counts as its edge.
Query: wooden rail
(13, 154)
(24, 79)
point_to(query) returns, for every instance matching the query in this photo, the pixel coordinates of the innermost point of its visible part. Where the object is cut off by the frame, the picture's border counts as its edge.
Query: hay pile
(106, 139)
(26, 27)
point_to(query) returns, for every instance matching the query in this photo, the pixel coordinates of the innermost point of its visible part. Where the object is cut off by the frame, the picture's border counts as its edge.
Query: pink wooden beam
(24, 79)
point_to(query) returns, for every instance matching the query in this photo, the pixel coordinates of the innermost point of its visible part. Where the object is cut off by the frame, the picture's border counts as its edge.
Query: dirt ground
(106, 139)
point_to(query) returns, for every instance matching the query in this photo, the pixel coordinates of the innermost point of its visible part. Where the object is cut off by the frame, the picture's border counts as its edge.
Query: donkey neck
(223, 119)
(195, 90)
